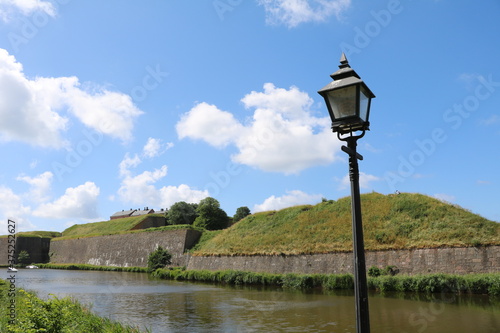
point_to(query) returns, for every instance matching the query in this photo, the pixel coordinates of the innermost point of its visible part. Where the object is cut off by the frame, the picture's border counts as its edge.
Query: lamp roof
(345, 76)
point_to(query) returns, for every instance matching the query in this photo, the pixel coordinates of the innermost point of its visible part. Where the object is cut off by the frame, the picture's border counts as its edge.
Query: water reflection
(169, 306)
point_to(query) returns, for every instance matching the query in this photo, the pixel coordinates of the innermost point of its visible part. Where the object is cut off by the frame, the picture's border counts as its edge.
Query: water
(170, 306)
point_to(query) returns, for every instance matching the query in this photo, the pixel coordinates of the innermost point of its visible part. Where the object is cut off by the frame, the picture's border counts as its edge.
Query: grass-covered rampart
(38, 234)
(104, 228)
(399, 221)
(24, 312)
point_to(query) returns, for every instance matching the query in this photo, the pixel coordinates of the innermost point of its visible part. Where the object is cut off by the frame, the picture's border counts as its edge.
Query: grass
(87, 267)
(429, 283)
(103, 228)
(401, 221)
(55, 315)
(41, 234)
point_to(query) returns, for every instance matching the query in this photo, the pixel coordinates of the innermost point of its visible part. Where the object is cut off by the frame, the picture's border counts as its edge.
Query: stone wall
(133, 250)
(123, 250)
(37, 248)
(416, 261)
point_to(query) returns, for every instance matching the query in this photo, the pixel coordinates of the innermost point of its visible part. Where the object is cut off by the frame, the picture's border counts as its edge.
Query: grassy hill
(104, 228)
(41, 234)
(389, 222)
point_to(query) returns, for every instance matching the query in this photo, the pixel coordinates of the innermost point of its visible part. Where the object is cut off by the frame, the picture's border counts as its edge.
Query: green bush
(297, 281)
(339, 282)
(374, 271)
(159, 258)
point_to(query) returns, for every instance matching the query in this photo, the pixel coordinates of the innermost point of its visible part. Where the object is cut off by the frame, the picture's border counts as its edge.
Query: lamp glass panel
(363, 104)
(343, 102)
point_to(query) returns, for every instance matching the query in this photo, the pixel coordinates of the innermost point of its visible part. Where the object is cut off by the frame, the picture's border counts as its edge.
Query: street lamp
(348, 100)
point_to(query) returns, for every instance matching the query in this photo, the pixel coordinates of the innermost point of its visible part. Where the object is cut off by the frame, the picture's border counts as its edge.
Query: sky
(112, 105)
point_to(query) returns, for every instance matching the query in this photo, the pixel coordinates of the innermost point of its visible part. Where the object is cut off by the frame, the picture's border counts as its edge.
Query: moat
(170, 306)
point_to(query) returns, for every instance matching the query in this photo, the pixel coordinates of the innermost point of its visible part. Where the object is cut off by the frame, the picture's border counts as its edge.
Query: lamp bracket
(351, 140)
(352, 153)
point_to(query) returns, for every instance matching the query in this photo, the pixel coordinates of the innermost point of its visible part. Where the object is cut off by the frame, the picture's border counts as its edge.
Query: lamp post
(348, 101)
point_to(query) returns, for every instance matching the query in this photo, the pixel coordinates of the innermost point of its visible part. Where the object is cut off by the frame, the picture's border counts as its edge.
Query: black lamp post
(348, 101)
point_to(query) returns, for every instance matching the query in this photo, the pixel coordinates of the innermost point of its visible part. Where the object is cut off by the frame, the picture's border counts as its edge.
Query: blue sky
(111, 105)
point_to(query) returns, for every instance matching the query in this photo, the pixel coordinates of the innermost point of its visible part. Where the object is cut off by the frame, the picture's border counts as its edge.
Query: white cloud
(127, 163)
(108, 112)
(208, 123)
(364, 181)
(291, 13)
(282, 136)
(23, 116)
(40, 186)
(492, 120)
(11, 207)
(141, 189)
(172, 194)
(25, 7)
(292, 198)
(29, 108)
(155, 147)
(77, 202)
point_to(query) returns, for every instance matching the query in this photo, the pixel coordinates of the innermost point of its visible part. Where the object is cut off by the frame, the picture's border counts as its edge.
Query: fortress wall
(414, 261)
(123, 250)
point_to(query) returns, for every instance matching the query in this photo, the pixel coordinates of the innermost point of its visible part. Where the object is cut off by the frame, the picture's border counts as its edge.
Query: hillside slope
(389, 221)
(105, 227)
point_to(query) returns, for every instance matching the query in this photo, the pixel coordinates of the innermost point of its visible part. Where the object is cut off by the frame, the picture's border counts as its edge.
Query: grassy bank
(61, 315)
(399, 221)
(86, 267)
(105, 227)
(431, 283)
(37, 234)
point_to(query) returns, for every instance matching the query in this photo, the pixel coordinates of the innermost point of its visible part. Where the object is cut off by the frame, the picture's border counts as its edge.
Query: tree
(241, 213)
(210, 215)
(182, 213)
(159, 258)
(23, 258)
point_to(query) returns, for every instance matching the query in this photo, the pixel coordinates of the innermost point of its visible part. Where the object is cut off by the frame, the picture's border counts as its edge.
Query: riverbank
(23, 312)
(85, 267)
(488, 284)
(430, 283)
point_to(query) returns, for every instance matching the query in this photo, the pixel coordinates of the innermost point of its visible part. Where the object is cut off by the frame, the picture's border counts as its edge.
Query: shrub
(297, 281)
(391, 270)
(23, 258)
(339, 282)
(159, 259)
(374, 271)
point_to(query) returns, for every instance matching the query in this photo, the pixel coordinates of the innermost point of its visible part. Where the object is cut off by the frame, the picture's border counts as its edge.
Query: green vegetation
(431, 283)
(210, 215)
(54, 315)
(41, 234)
(86, 267)
(159, 258)
(390, 222)
(241, 213)
(23, 258)
(374, 271)
(104, 228)
(438, 283)
(182, 213)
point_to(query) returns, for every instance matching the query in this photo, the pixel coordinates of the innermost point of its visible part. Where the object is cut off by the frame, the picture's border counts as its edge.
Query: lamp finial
(343, 61)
